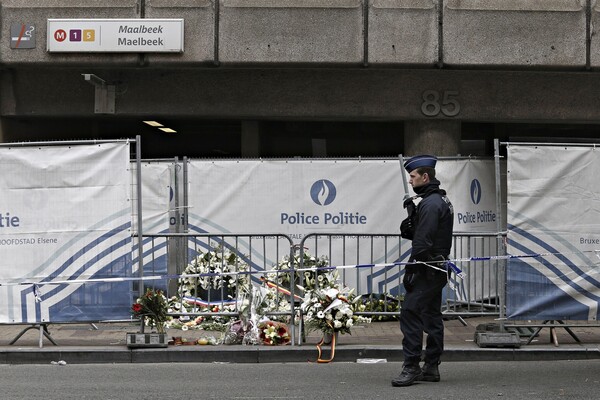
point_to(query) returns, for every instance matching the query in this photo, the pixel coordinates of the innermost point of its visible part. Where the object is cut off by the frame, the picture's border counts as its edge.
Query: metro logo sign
(60, 35)
(115, 35)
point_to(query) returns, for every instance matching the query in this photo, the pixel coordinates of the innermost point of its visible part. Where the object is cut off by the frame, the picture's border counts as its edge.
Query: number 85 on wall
(445, 103)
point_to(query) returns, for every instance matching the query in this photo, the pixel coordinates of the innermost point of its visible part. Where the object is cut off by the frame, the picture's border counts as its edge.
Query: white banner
(66, 214)
(157, 193)
(333, 196)
(471, 186)
(554, 211)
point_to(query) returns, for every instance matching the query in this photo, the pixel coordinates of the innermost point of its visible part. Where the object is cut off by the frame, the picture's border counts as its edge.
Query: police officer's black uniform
(421, 311)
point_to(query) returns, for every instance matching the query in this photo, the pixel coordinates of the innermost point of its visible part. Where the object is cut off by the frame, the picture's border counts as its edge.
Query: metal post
(499, 237)
(138, 163)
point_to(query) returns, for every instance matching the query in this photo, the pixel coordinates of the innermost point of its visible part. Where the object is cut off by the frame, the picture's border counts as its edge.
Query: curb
(288, 354)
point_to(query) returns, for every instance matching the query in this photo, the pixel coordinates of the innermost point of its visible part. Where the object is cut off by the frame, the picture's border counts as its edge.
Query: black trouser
(421, 312)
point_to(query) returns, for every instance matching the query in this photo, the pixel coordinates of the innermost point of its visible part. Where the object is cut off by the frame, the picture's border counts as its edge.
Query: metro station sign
(115, 35)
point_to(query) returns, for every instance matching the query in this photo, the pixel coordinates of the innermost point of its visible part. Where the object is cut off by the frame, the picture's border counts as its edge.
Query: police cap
(415, 162)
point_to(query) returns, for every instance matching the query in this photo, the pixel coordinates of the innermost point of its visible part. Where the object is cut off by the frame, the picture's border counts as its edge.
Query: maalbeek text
(341, 218)
(140, 42)
(140, 30)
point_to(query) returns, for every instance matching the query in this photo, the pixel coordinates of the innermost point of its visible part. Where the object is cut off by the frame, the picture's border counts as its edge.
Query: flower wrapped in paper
(331, 309)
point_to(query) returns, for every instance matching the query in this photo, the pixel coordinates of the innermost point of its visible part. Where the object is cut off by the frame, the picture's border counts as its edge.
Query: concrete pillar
(250, 139)
(437, 137)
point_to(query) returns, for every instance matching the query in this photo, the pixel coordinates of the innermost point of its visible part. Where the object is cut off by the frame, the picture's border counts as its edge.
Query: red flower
(136, 307)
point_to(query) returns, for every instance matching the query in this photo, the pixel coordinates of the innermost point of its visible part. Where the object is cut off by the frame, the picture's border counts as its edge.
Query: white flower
(328, 317)
(339, 315)
(337, 324)
(332, 293)
(349, 323)
(320, 314)
(184, 328)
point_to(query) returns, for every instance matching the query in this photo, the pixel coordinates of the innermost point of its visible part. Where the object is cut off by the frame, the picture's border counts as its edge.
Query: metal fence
(374, 265)
(206, 274)
(371, 264)
(481, 292)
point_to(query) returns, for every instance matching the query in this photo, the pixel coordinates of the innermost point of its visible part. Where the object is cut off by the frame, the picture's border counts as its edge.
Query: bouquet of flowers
(317, 277)
(331, 309)
(214, 269)
(274, 333)
(379, 303)
(152, 307)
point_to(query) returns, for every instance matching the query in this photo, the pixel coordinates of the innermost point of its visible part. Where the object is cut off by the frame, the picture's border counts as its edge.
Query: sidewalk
(105, 343)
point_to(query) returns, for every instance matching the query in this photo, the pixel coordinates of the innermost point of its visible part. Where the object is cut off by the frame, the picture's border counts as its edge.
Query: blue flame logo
(323, 192)
(475, 191)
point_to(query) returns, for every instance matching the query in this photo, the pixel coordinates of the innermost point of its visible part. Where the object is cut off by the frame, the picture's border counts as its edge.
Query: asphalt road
(460, 380)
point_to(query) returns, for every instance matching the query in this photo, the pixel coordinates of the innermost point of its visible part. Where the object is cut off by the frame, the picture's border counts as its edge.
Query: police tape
(451, 264)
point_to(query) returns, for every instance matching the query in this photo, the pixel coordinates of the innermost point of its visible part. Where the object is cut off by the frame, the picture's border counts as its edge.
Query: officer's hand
(407, 230)
(408, 202)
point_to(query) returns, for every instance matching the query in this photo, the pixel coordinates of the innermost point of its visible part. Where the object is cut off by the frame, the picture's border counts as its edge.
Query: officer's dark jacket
(435, 219)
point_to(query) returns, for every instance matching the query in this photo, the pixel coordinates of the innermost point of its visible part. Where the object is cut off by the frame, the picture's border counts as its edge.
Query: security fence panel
(367, 263)
(476, 290)
(344, 213)
(222, 274)
(65, 232)
(553, 232)
(375, 265)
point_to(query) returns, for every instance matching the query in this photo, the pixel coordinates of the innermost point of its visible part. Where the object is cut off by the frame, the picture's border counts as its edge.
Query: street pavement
(493, 380)
(371, 343)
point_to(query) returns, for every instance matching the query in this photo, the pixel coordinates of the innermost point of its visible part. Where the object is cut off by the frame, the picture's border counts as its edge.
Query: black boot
(408, 376)
(430, 372)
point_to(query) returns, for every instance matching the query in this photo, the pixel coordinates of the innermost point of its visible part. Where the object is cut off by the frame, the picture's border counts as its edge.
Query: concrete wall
(199, 30)
(515, 33)
(403, 32)
(423, 33)
(595, 38)
(291, 31)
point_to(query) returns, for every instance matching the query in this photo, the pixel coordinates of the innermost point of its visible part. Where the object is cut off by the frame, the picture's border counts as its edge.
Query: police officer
(429, 226)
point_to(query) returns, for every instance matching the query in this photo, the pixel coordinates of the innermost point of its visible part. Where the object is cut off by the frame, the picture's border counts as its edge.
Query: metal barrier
(241, 260)
(481, 292)
(373, 264)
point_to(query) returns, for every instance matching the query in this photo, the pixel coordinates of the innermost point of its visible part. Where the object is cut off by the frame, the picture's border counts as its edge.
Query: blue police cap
(415, 162)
